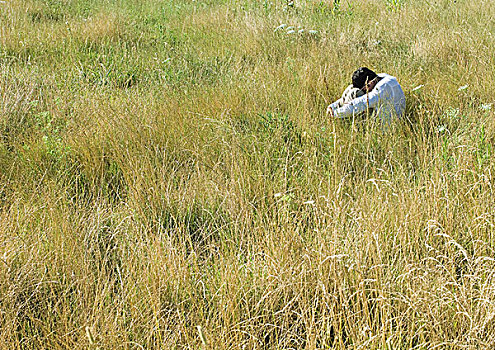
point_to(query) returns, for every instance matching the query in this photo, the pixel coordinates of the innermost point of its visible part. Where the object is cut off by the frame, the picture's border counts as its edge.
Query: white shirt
(387, 99)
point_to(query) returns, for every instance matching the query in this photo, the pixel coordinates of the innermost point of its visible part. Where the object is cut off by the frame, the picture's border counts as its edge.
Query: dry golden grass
(168, 178)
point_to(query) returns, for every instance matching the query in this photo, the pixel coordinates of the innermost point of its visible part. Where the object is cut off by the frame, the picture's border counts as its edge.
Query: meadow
(169, 178)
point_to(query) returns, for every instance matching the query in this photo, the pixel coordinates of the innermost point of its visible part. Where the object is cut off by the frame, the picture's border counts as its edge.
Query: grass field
(169, 179)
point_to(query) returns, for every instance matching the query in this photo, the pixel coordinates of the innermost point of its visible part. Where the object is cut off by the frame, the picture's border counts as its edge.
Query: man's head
(364, 78)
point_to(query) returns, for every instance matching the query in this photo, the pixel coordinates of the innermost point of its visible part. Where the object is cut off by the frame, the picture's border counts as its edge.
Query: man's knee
(350, 93)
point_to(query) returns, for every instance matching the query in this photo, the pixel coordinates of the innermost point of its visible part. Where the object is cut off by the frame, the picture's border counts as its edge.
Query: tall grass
(169, 180)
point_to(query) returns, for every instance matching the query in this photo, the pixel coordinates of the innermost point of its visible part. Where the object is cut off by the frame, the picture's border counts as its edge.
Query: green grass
(168, 165)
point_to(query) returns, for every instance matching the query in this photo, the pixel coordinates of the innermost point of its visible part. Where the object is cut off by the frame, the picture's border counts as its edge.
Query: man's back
(392, 96)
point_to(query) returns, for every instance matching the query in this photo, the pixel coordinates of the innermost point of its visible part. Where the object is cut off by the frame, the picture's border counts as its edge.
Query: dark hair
(361, 76)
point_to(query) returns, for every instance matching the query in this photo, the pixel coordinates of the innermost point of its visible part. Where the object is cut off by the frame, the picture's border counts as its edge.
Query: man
(380, 92)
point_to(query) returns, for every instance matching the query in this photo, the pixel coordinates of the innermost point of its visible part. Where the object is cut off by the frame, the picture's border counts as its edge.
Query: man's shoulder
(387, 80)
(386, 77)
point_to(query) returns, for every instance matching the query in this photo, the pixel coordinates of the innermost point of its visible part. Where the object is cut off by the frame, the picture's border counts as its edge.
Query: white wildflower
(442, 128)
(280, 27)
(463, 87)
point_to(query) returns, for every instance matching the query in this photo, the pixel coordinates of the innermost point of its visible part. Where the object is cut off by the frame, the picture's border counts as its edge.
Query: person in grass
(379, 93)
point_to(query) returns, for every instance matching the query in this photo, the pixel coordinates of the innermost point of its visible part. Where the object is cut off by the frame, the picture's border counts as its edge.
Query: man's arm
(336, 105)
(355, 106)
